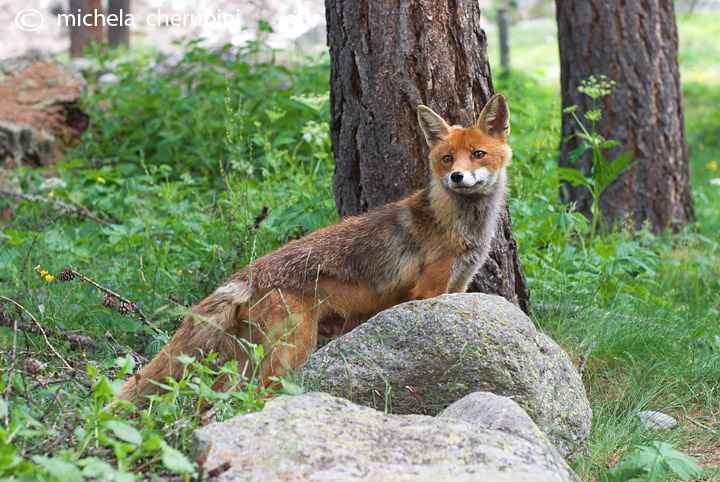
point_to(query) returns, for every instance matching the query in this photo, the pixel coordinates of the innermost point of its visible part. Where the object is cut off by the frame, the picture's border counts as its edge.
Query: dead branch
(702, 426)
(136, 309)
(40, 328)
(80, 340)
(77, 340)
(59, 205)
(414, 394)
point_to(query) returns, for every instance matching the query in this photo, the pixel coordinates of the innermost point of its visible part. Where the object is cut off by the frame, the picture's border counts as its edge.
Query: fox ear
(432, 125)
(494, 120)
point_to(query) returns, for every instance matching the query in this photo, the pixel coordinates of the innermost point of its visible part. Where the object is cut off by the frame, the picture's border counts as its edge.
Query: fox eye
(447, 158)
(478, 154)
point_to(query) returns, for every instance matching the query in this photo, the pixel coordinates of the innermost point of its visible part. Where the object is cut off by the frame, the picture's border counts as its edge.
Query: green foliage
(99, 425)
(653, 463)
(603, 172)
(177, 167)
(176, 170)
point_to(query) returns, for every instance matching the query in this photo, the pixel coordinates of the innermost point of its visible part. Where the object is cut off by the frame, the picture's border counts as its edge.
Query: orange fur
(334, 279)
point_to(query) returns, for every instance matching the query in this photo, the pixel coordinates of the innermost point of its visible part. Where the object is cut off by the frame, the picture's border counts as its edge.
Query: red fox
(334, 279)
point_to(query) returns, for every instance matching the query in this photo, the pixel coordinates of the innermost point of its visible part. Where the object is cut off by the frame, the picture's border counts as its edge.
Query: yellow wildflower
(51, 194)
(49, 277)
(37, 268)
(713, 166)
(179, 271)
(101, 180)
(43, 272)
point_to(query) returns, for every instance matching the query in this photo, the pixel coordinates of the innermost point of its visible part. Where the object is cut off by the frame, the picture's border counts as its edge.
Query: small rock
(656, 420)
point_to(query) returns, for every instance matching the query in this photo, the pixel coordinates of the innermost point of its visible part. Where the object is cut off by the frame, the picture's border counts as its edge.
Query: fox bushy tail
(216, 324)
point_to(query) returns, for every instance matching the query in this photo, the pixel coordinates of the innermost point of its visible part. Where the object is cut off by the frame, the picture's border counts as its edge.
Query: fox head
(469, 160)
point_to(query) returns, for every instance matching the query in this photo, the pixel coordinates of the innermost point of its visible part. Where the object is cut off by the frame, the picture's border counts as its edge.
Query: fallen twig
(422, 408)
(136, 309)
(82, 341)
(12, 367)
(59, 205)
(146, 464)
(40, 328)
(702, 426)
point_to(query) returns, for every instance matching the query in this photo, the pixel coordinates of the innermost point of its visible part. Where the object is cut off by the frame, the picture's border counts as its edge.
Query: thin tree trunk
(387, 57)
(82, 36)
(119, 34)
(634, 44)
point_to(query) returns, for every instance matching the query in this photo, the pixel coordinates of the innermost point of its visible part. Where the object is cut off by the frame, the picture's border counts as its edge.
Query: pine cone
(125, 308)
(109, 301)
(33, 366)
(66, 274)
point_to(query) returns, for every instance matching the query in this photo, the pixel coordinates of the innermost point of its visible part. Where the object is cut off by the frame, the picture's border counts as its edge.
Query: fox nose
(456, 176)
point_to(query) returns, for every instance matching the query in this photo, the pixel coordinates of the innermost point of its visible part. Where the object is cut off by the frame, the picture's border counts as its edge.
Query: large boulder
(318, 437)
(38, 110)
(420, 356)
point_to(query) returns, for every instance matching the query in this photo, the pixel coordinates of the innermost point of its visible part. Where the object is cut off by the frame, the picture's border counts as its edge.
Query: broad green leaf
(102, 389)
(620, 164)
(124, 431)
(175, 460)
(682, 465)
(573, 176)
(126, 364)
(601, 172)
(79, 433)
(60, 469)
(152, 443)
(609, 144)
(575, 154)
(185, 359)
(95, 467)
(290, 388)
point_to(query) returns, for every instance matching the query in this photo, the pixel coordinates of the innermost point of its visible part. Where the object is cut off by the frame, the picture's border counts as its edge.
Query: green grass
(178, 167)
(644, 309)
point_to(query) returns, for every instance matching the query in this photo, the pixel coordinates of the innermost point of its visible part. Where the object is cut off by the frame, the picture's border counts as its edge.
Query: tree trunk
(81, 36)
(634, 44)
(387, 57)
(119, 34)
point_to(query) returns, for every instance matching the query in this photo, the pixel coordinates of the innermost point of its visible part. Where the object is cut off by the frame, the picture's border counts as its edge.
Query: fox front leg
(464, 269)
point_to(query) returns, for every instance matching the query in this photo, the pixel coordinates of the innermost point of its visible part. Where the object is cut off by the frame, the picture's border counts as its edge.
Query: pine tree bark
(119, 34)
(635, 44)
(387, 57)
(83, 35)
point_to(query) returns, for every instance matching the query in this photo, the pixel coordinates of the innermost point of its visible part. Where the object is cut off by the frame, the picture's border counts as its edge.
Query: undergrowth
(191, 169)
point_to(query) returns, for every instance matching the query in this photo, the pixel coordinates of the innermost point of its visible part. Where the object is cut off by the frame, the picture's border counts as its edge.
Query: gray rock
(317, 437)
(447, 347)
(656, 420)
